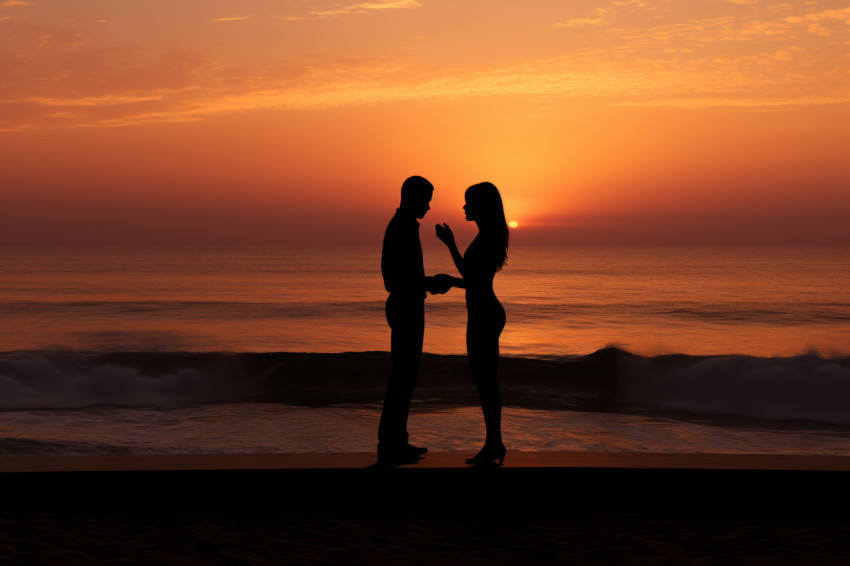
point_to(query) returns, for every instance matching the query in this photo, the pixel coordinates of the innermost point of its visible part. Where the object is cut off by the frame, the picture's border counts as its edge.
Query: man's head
(416, 194)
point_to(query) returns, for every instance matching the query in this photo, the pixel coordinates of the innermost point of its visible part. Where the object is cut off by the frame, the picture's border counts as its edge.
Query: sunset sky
(266, 122)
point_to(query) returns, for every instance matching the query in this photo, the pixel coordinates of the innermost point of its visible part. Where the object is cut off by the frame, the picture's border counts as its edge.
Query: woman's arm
(458, 282)
(442, 279)
(445, 234)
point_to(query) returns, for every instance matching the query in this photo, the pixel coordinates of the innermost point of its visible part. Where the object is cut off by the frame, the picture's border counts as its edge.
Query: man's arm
(441, 283)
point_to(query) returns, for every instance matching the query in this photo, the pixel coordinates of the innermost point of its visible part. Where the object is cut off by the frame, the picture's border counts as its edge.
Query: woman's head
(484, 206)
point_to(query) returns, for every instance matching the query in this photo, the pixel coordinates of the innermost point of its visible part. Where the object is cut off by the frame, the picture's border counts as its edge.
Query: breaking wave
(806, 387)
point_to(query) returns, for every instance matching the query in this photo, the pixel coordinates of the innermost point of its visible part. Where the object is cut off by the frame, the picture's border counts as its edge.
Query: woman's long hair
(492, 213)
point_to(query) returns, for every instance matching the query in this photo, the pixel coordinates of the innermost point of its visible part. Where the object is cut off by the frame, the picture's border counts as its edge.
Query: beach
(540, 508)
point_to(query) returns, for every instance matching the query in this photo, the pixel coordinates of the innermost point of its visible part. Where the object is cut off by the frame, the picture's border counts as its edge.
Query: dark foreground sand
(541, 508)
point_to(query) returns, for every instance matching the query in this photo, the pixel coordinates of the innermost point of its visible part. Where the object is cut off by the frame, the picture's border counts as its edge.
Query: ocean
(673, 349)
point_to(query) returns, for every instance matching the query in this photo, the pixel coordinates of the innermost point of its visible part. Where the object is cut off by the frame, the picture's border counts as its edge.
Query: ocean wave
(806, 387)
(721, 313)
(727, 313)
(71, 380)
(793, 388)
(189, 309)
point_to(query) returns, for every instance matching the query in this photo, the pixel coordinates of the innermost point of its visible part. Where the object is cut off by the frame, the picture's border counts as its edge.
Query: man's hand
(438, 284)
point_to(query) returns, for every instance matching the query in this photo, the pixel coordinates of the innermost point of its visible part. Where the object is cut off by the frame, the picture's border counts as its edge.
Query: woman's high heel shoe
(488, 456)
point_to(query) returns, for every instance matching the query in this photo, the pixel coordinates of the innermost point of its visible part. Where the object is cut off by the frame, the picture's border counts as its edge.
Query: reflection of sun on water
(513, 223)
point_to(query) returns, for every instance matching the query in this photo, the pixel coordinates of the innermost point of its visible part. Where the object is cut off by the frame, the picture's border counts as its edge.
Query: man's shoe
(397, 457)
(418, 450)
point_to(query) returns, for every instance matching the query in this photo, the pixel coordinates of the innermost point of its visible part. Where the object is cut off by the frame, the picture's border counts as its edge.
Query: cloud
(769, 21)
(360, 9)
(232, 19)
(580, 22)
(57, 77)
(726, 102)
(92, 101)
(842, 14)
(184, 87)
(602, 16)
(819, 30)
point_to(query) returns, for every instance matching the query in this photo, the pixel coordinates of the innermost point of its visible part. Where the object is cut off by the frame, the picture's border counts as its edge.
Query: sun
(513, 223)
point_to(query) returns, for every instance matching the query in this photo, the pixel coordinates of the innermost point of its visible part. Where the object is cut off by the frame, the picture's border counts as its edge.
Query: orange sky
(269, 122)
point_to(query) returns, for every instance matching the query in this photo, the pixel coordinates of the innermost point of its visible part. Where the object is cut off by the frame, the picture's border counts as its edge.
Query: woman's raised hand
(445, 234)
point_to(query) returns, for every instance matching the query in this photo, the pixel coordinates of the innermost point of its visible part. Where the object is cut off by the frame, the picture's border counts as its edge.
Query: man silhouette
(404, 278)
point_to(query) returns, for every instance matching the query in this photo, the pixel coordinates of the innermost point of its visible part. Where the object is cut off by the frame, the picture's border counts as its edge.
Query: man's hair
(415, 188)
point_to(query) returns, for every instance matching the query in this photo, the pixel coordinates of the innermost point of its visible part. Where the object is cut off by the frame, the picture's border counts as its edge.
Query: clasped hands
(438, 284)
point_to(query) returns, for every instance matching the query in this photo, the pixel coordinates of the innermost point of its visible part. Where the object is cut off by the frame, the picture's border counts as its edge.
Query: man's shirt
(401, 258)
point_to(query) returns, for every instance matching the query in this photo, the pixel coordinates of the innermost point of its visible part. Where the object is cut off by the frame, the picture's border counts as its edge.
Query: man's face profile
(424, 205)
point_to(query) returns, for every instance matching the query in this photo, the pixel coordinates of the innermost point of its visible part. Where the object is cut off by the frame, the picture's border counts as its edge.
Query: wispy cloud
(232, 19)
(580, 22)
(91, 101)
(359, 9)
(770, 21)
(727, 102)
(842, 15)
(601, 16)
(771, 59)
(195, 88)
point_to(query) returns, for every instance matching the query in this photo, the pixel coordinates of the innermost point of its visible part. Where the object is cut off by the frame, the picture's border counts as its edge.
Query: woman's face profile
(469, 208)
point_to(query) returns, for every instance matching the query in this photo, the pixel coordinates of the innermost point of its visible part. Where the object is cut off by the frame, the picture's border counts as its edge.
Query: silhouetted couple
(405, 279)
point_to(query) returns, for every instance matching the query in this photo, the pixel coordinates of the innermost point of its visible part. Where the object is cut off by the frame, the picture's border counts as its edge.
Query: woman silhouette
(486, 318)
